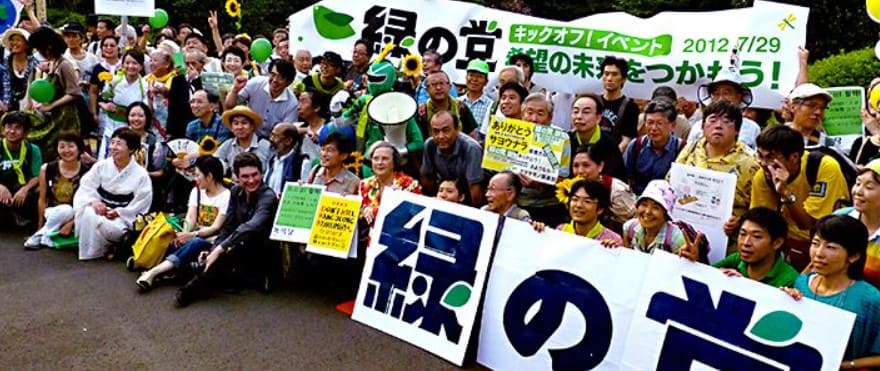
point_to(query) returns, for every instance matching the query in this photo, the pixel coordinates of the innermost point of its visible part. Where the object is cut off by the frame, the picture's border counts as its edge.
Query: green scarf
(22, 155)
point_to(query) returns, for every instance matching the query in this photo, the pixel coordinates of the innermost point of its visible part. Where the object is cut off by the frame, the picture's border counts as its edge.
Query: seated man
(20, 163)
(782, 183)
(501, 196)
(243, 123)
(759, 249)
(242, 245)
(449, 154)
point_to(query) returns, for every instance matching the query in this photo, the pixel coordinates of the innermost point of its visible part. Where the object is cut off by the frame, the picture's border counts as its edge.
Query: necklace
(839, 297)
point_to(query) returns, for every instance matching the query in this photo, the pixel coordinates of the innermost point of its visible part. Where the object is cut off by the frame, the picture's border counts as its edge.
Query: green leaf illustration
(457, 295)
(407, 42)
(492, 26)
(331, 24)
(778, 326)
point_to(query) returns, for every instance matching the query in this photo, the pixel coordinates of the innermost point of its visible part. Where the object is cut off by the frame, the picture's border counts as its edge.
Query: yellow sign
(334, 226)
(522, 146)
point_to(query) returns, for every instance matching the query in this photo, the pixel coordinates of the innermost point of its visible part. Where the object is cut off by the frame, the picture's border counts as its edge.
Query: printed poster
(704, 198)
(335, 225)
(525, 147)
(296, 212)
(137, 8)
(843, 117)
(425, 272)
(217, 82)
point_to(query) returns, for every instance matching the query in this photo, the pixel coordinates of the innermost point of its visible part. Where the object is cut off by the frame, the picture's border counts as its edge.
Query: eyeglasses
(583, 200)
(811, 105)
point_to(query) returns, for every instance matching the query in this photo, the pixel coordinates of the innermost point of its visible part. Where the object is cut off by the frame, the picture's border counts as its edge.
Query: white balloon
(877, 49)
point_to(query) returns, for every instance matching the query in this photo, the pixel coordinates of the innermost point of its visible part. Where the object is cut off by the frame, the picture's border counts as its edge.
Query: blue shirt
(195, 131)
(650, 164)
(421, 93)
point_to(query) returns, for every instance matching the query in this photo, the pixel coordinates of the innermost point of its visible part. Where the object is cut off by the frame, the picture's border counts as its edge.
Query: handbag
(152, 243)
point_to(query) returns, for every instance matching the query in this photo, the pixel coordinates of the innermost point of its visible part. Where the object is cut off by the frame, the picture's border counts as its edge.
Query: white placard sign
(425, 272)
(704, 198)
(137, 8)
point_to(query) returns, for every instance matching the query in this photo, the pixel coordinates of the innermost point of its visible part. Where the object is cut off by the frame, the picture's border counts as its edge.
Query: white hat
(808, 90)
(661, 192)
(7, 36)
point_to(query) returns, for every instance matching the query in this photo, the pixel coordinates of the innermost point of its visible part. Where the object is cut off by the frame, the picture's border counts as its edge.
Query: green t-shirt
(30, 169)
(781, 275)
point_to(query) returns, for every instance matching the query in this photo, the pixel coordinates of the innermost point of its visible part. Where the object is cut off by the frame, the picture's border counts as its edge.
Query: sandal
(144, 284)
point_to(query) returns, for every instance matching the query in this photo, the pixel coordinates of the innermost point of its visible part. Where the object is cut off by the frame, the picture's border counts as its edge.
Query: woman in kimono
(110, 196)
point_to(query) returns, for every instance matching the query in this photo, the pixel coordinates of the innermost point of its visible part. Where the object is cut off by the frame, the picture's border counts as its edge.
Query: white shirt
(275, 179)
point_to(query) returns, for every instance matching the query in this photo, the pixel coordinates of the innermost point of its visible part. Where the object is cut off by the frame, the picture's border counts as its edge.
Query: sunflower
(208, 146)
(385, 51)
(105, 76)
(411, 65)
(563, 189)
(233, 8)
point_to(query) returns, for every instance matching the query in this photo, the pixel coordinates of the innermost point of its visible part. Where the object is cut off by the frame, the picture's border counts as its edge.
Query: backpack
(637, 149)
(686, 229)
(814, 159)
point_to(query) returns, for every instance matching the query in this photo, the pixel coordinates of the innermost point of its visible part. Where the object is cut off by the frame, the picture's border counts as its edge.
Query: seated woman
(151, 154)
(588, 163)
(454, 190)
(58, 182)
(331, 173)
(20, 161)
(110, 196)
(866, 209)
(652, 229)
(586, 201)
(204, 218)
(837, 259)
(384, 159)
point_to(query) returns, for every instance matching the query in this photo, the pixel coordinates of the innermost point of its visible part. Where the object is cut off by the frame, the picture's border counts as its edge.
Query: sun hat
(661, 192)
(809, 90)
(7, 36)
(245, 111)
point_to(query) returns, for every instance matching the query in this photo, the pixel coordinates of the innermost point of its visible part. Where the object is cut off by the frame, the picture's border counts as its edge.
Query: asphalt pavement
(57, 312)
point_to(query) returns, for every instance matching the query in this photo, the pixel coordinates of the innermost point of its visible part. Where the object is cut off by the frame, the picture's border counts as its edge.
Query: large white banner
(425, 272)
(682, 50)
(137, 8)
(563, 302)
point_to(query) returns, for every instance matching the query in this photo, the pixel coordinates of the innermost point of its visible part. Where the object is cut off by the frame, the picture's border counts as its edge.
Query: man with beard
(286, 165)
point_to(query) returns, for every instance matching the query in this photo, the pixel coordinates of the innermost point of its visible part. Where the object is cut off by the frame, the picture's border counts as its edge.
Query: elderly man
(286, 164)
(302, 60)
(431, 62)
(649, 157)
(537, 198)
(728, 86)
(267, 95)
(243, 123)
(809, 102)
(441, 100)
(242, 245)
(476, 99)
(448, 154)
(501, 195)
(194, 42)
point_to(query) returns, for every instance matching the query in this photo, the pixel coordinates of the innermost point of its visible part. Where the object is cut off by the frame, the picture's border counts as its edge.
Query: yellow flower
(233, 8)
(411, 65)
(385, 51)
(105, 76)
(354, 163)
(563, 189)
(208, 146)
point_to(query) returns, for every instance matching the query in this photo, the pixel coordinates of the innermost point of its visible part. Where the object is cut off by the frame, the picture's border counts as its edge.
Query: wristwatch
(788, 200)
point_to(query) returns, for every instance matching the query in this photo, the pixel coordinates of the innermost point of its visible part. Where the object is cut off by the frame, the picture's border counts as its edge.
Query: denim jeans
(189, 252)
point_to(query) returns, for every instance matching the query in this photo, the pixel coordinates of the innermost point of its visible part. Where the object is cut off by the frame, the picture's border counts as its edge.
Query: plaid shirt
(6, 94)
(478, 107)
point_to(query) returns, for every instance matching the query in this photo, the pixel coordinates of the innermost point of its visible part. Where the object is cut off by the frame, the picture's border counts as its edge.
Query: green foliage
(855, 68)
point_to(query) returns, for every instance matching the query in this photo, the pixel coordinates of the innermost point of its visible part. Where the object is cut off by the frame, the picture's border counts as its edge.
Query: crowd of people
(88, 162)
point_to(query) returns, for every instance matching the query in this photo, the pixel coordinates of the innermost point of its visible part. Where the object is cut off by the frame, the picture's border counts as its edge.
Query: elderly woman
(652, 228)
(119, 93)
(19, 64)
(59, 181)
(837, 259)
(384, 160)
(866, 209)
(159, 88)
(66, 110)
(110, 196)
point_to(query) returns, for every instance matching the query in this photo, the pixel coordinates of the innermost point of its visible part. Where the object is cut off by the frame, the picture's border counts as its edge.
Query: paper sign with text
(522, 146)
(843, 117)
(335, 225)
(296, 212)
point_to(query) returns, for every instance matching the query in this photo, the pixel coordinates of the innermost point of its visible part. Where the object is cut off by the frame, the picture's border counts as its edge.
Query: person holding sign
(586, 201)
(782, 183)
(243, 242)
(385, 161)
(837, 255)
(207, 211)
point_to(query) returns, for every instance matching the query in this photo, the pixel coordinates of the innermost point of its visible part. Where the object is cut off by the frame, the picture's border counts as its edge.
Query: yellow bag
(153, 242)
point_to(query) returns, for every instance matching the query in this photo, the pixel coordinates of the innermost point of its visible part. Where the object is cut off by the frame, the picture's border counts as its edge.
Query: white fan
(181, 148)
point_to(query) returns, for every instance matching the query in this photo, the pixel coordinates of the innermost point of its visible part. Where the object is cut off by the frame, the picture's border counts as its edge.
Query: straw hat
(256, 120)
(7, 36)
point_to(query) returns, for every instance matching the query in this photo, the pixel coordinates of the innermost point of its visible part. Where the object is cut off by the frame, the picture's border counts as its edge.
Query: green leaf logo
(778, 326)
(492, 26)
(457, 295)
(330, 24)
(407, 42)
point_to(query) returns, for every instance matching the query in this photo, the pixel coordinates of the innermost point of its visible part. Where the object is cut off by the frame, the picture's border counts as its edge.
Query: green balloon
(159, 19)
(261, 49)
(42, 91)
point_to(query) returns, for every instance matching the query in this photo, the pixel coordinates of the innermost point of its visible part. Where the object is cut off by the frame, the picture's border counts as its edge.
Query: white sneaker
(46, 241)
(33, 242)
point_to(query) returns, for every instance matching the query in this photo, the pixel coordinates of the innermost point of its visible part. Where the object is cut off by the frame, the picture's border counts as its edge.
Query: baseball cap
(478, 65)
(808, 90)
(73, 27)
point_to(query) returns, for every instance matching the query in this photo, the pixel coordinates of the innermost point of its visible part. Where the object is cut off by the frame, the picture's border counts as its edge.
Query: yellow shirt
(740, 161)
(821, 200)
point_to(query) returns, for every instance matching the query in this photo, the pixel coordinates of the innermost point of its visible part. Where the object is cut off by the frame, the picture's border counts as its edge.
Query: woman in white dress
(110, 196)
(125, 89)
